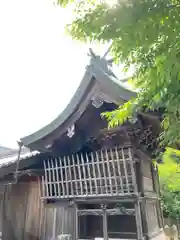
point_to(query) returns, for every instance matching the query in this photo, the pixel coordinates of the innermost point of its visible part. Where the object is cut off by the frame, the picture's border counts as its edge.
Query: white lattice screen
(103, 173)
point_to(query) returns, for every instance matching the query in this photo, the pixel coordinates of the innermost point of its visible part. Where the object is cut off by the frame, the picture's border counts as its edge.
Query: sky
(40, 66)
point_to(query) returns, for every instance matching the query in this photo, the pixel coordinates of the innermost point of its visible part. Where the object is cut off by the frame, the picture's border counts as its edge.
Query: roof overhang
(98, 81)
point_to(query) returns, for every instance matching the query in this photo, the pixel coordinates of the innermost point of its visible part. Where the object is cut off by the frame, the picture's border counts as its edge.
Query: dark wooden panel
(22, 211)
(25, 217)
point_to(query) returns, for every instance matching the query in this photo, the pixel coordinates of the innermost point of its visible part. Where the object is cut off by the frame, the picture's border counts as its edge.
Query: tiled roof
(11, 155)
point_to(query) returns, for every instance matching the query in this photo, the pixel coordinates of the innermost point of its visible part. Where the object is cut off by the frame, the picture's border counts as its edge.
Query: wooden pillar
(54, 223)
(105, 230)
(138, 221)
(76, 223)
(144, 218)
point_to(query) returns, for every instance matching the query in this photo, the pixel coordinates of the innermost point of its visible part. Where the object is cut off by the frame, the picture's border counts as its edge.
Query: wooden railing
(108, 172)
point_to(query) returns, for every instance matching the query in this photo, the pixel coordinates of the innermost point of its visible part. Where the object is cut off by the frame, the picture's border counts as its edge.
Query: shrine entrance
(106, 221)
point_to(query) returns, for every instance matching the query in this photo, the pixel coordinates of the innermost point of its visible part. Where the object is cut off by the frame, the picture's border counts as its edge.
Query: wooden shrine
(96, 183)
(114, 187)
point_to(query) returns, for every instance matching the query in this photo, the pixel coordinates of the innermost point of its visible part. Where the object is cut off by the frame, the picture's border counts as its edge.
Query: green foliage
(145, 34)
(117, 117)
(169, 173)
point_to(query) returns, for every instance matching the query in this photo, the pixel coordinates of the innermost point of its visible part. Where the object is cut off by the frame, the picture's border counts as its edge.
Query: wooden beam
(76, 223)
(115, 211)
(138, 221)
(105, 227)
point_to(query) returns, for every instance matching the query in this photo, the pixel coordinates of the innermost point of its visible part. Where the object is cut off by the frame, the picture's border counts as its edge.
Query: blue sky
(40, 67)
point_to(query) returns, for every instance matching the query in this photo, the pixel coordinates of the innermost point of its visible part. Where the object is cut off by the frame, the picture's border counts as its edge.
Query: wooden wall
(147, 175)
(25, 217)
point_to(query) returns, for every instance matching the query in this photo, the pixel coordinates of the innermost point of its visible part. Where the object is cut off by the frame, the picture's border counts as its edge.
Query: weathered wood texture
(1, 205)
(147, 175)
(25, 216)
(22, 211)
(106, 220)
(107, 172)
(152, 217)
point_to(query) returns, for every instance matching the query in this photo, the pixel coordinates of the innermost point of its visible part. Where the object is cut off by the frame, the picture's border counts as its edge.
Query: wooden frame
(104, 212)
(107, 172)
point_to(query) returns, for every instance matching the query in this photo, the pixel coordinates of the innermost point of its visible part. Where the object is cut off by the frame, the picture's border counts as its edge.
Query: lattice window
(105, 172)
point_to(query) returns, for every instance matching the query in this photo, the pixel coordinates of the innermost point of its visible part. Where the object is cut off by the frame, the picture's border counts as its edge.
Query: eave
(97, 79)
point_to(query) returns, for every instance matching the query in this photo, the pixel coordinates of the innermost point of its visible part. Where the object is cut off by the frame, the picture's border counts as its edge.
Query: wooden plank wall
(1, 206)
(25, 216)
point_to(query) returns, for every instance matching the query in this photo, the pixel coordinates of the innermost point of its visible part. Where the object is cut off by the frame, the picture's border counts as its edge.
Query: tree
(169, 173)
(145, 34)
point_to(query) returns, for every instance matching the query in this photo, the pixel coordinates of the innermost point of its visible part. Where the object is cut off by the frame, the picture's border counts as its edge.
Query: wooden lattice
(102, 173)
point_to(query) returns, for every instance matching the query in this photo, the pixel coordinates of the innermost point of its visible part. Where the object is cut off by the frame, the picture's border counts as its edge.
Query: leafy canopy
(145, 34)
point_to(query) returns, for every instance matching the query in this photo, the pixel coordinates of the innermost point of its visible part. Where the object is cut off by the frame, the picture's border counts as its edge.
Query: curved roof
(97, 71)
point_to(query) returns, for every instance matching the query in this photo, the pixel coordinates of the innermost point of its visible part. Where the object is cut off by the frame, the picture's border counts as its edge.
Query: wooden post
(109, 172)
(132, 166)
(79, 174)
(59, 190)
(66, 177)
(89, 175)
(105, 230)
(53, 179)
(139, 175)
(54, 223)
(75, 176)
(94, 174)
(99, 173)
(43, 193)
(138, 221)
(71, 192)
(84, 173)
(76, 223)
(144, 218)
(18, 162)
(104, 173)
(49, 178)
(119, 170)
(125, 170)
(61, 178)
